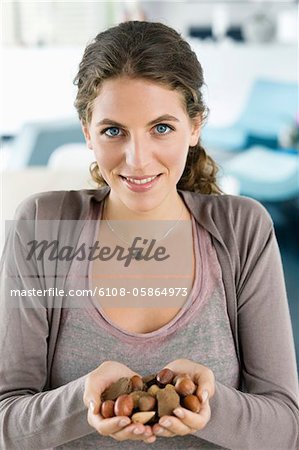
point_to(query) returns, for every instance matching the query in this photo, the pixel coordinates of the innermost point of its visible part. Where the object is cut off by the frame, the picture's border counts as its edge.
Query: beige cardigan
(262, 415)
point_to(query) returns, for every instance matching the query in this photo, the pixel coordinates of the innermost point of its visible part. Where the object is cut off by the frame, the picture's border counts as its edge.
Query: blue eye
(114, 131)
(162, 128)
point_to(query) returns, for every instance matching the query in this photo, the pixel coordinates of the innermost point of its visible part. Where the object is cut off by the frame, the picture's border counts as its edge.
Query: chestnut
(124, 405)
(107, 409)
(165, 376)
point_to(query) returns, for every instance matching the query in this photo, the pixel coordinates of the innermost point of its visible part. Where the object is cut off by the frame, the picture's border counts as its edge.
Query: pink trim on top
(196, 299)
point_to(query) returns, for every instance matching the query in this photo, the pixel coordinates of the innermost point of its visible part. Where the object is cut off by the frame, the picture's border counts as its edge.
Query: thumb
(203, 394)
(92, 397)
(206, 385)
(91, 406)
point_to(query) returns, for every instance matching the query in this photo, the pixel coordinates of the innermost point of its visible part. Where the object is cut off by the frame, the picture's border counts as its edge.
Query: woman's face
(140, 131)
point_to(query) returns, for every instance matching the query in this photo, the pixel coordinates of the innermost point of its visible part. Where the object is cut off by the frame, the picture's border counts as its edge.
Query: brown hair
(155, 52)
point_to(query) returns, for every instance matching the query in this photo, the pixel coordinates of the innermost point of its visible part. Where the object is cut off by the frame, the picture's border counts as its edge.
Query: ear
(195, 130)
(86, 133)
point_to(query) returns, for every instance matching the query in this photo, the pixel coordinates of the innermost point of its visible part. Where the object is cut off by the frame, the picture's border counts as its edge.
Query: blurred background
(249, 53)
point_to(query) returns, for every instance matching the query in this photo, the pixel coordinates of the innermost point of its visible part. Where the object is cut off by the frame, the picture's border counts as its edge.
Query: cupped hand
(120, 428)
(187, 422)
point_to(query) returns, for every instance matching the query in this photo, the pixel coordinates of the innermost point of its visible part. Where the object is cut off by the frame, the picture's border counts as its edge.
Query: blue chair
(266, 174)
(36, 141)
(271, 106)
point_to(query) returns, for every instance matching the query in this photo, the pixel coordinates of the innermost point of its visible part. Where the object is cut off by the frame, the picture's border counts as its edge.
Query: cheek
(176, 156)
(106, 158)
(100, 150)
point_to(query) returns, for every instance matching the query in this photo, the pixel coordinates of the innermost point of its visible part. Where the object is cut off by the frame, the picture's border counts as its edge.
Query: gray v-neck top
(200, 332)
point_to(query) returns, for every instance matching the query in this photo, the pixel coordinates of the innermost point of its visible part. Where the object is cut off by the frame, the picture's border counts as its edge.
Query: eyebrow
(167, 117)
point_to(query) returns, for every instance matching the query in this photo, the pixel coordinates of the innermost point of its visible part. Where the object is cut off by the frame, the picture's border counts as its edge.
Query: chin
(141, 207)
(143, 204)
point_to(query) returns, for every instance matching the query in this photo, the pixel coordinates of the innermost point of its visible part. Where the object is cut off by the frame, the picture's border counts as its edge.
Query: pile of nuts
(147, 399)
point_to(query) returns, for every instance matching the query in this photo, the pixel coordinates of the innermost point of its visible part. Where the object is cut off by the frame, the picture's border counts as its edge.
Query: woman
(141, 109)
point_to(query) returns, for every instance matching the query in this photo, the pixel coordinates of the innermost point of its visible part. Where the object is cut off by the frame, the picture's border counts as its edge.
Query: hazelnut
(147, 403)
(185, 386)
(124, 405)
(137, 383)
(180, 376)
(148, 398)
(192, 403)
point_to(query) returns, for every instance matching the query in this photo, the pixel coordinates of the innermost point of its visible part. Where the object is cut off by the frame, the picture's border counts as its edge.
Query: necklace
(137, 253)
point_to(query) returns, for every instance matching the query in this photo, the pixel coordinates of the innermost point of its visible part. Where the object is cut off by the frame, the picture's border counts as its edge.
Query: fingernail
(124, 422)
(204, 395)
(165, 423)
(179, 412)
(137, 431)
(151, 439)
(92, 406)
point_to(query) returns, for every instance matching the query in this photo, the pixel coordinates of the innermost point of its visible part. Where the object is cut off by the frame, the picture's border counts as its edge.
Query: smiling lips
(140, 183)
(139, 180)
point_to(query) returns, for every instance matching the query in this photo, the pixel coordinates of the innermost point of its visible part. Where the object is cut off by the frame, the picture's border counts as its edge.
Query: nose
(137, 153)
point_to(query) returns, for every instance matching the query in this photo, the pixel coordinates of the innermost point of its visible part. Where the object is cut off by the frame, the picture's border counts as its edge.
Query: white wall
(37, 82)
(180, 14)
(230, 69)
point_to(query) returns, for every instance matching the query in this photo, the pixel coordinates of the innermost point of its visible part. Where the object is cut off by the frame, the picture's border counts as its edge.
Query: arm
(29, 417)
(265, 416)
(42, 420)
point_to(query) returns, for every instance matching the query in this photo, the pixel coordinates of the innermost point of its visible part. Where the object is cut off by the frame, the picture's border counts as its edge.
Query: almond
(143, 417)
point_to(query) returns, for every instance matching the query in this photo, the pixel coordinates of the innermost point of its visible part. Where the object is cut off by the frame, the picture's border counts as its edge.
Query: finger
(160, 431)
(202, 393)
(100, 379)
(92, 397)
(175, 426)
(132, 432)
(150, 440)
(189, 423)
(205, 411)
(205, 381)
(107, 426)
(194, 421)
(92, 394)
(148, 432)
(94, 406)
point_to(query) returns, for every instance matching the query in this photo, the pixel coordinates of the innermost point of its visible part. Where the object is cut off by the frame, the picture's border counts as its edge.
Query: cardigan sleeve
(30, 416)
(264, 415)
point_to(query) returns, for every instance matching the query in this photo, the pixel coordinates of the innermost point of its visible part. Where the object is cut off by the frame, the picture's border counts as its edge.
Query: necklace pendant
(137, 254)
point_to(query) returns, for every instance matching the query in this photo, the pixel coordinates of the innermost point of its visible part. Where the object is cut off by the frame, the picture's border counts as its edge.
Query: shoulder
(55, 205)
(243, 225)
(237, 222)
(241, 210)
(29, 206)
(229, 211)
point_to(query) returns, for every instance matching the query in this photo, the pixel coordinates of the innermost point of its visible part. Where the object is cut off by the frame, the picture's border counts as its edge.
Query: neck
(172, 210)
